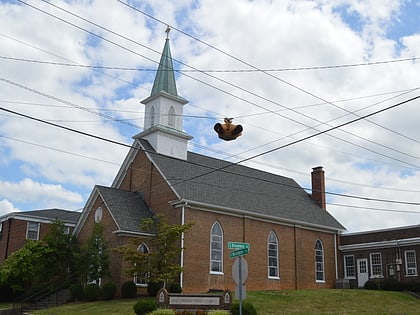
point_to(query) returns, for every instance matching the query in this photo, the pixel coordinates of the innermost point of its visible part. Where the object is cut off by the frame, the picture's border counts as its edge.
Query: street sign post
(239, 269)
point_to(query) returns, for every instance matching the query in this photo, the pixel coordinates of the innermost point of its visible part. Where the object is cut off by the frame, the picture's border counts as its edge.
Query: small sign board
(238, 245)
(239, 252)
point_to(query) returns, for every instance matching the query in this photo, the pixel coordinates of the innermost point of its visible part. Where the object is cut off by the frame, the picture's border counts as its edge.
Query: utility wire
(208, 70)
(232, 164)
(224, 81)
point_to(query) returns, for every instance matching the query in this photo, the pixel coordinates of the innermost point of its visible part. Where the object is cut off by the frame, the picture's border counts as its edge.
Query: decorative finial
(168, 29)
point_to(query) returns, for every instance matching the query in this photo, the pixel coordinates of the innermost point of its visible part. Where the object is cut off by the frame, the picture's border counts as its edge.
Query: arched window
(273, 255)
(216, 248)
(319, 261)
(152, 116)
(171, 117)
(142, 278)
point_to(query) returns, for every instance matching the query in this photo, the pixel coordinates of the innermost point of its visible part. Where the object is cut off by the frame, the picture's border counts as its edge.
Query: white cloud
(59, 168)
(7, 207)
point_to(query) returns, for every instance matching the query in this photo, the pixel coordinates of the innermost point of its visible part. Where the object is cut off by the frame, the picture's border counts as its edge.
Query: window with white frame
(410, 263)
(216, 248)
(142, 279)
(319, 261)
(273, 260)
(376, 265)
(32, 231)
(349, 267)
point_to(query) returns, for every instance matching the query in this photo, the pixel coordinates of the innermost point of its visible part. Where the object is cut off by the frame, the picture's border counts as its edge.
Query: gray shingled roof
(65, 216)
(200, 179)
(126, 207)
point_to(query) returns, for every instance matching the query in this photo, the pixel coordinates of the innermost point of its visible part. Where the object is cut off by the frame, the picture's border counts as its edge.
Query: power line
(221, 168)
(224, 81)
(209, 70)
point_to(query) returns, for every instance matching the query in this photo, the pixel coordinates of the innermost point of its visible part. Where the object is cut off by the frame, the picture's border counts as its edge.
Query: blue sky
(43, 166)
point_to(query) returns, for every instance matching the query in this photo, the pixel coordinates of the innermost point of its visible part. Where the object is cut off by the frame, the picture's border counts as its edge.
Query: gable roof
(211, 182)
(127, 208)
(66, 216)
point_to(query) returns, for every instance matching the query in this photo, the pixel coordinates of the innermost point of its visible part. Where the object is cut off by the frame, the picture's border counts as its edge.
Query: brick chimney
(318, 186)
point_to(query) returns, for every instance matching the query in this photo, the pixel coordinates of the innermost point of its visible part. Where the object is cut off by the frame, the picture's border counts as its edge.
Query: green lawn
(281, 302)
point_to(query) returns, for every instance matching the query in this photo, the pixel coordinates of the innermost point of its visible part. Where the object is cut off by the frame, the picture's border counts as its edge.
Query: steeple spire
(164, 111)
(165, 76)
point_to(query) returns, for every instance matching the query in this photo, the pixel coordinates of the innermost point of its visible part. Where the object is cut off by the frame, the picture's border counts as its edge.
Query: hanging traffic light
(228, 131)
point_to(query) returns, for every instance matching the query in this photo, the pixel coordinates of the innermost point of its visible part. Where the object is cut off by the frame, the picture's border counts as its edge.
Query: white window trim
(406, 263)
(135, 276)
(221, 260)
(372, 276)
(345, 267)
(323, 263)
(277, 256)
(37, 232)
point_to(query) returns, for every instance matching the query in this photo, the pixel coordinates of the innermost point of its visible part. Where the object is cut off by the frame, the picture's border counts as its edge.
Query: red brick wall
(296, 254)
(16, 239)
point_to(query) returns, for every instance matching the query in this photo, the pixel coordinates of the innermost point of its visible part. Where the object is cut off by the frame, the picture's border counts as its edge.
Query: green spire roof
(165, 77)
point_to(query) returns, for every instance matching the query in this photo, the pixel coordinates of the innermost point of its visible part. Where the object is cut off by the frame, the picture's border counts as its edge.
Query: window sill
(320, 281)
(350, 278)
(416, 275)
(274, 278)
(217, 273)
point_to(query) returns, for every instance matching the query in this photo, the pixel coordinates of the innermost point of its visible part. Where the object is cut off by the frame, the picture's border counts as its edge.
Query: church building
(293, 239)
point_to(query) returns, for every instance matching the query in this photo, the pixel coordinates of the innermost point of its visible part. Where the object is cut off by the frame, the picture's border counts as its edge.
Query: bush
(77, 292)
(154, 287)
(247, 308)
(392, 285)
(163, 311)
(218, 312)
(108, 290)
(144, 307)
(128, 289)
(174, 287)
(375, 284)
(92, 292)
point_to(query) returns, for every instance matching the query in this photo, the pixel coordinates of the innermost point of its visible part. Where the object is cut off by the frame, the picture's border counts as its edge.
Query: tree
(96, 255)
(160, 262)
(22, 268)
(60, 254)
(40, 262)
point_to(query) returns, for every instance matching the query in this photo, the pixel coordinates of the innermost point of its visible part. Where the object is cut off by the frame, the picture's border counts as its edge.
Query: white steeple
(164, 111)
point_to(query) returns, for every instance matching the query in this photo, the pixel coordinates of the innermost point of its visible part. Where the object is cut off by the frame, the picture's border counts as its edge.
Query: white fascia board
(382, 244)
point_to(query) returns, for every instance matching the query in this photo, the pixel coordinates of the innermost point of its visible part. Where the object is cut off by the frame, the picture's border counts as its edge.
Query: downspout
(8, 238)
(335, 256)
(181, 276)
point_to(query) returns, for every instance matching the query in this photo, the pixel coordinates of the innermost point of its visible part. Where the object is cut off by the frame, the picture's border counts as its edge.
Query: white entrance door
(362, 272)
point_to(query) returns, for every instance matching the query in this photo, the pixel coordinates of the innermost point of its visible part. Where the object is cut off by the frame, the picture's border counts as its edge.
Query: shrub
(144, 306)
(108, 290)
(77, 292)
(163, 311)
(153, 288)
(218, 312)
(373, 284)
(247, 308)
(128, 289)
(92, 292)
(174, 287)
(392, 285)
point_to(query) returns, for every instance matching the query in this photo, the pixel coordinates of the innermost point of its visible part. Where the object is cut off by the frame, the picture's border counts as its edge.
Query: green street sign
(238, 245)
(239, 252)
